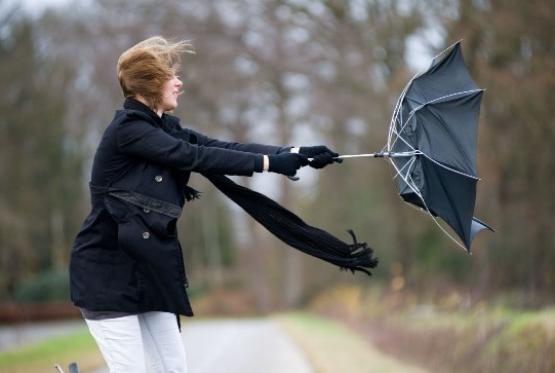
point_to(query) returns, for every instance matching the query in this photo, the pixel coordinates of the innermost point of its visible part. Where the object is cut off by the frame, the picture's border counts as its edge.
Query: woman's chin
(171, 106)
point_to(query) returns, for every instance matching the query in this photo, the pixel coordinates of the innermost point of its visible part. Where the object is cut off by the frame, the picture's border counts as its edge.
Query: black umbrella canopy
(436, 124)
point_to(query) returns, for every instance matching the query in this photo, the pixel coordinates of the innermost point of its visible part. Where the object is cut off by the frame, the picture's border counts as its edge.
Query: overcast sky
(418, 57)
(33, 7)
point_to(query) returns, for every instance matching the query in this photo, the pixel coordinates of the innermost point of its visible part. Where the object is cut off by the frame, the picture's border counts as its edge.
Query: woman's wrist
(261, 163)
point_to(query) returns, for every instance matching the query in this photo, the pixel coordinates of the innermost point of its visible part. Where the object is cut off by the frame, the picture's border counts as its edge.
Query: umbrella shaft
(378, 155)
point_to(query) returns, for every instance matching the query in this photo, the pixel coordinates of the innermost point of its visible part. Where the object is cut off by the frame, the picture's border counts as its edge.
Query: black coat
(127, 256)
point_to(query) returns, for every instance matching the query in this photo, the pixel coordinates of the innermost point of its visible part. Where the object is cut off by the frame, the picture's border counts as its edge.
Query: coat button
(158, 178)
(146, 235)
(146, 211)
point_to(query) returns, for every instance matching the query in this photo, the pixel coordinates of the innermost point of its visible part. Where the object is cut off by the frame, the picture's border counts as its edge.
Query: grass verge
(333, 347)
(78, 346)
(446, 333)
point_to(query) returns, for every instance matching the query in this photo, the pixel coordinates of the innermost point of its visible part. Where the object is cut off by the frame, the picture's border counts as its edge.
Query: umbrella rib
(413, 112)
(447, 232)
(398, 104)
(402, 138)
(443, 52)
(409, 164)
(459, 93)
(417, 152)
(449, 168)
(415, 189)
(412, 163)
(398, 133)
(412, 186)
(397, 109)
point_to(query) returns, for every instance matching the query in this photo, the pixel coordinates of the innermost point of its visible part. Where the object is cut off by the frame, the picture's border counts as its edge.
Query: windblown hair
(145, 67)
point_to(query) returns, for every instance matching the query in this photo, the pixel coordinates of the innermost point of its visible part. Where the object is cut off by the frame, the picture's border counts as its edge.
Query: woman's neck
(141, 99)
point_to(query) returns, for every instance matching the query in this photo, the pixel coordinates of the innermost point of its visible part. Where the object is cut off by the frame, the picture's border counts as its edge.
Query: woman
(126, 268)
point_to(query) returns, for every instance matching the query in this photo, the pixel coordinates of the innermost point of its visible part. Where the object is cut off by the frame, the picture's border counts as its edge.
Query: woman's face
(170, 91)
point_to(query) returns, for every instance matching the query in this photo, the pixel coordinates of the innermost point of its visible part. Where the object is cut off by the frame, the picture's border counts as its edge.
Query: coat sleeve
(202, 139)
(247, 147)
(140, 139)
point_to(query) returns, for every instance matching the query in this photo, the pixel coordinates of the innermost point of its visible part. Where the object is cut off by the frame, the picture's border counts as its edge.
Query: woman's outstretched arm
(138, 138)
(198, 138)
(141, 139)
(244, 147)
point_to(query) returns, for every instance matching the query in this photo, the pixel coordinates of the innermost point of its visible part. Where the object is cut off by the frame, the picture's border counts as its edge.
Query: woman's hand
(321, 155)
(286, 163)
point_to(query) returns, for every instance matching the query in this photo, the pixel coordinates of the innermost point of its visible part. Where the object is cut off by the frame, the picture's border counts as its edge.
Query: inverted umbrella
(432, 147)
(432, 144)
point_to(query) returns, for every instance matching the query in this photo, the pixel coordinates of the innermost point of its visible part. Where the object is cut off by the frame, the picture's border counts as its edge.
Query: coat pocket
(147, 228)
(143, 233)
(158, 216)
(148, 235)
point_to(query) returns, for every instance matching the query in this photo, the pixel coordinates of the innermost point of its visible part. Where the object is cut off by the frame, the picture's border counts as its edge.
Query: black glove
(322, 160)
(321, 155)
(286, 163)
(313, 151)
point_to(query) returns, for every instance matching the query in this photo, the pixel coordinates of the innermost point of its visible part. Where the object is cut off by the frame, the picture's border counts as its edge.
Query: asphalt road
(239, 346)
(246, 346)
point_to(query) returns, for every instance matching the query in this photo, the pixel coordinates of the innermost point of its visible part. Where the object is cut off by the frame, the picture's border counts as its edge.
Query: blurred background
(298, 72)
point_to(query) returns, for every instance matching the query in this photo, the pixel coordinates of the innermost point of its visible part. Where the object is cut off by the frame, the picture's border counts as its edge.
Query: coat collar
(134, 104)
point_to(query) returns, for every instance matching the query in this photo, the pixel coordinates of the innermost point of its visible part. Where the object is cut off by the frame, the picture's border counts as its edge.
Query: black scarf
(292, 230)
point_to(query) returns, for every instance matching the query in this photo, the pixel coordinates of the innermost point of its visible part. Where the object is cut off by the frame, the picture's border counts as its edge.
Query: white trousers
(131, 343)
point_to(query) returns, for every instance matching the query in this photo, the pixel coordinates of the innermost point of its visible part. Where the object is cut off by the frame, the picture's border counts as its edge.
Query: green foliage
(436, 257)
(40, 158)
(50, 285)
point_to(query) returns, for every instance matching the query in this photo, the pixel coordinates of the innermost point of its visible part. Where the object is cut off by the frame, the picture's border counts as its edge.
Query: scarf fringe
(362, 254)
(191, 193)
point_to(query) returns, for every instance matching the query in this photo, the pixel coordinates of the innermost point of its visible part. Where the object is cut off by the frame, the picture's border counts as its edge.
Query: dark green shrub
(47, 286)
